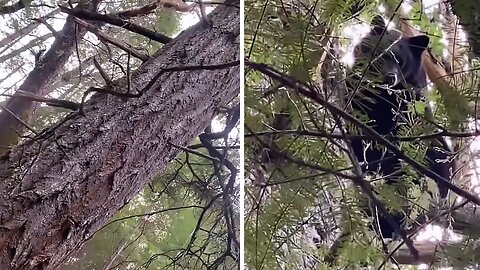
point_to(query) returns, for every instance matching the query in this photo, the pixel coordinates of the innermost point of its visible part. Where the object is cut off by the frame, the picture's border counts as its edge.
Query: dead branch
(118, 21)
(178, 5)
(49, 101)
(122, 45)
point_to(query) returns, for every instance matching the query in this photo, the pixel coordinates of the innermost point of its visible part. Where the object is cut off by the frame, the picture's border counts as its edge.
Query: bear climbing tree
(386, 80)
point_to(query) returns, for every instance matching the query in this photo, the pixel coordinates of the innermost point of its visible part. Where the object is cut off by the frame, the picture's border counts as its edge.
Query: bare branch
(118, 21)
(21, 4)
(125, 47)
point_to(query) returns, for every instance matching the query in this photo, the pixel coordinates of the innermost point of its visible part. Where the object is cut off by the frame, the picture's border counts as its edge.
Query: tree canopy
(304, 195)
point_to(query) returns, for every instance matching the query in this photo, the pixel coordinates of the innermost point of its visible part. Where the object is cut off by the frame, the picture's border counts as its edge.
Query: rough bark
(56, 193)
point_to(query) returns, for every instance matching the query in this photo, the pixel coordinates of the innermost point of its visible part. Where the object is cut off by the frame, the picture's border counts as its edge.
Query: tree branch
(15, 7)
(118, 21)
(123, 46)
(306, 90)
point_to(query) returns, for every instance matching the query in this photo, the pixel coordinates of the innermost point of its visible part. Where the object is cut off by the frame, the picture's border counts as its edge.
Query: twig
(178, 5)
(18, 119)
(186, 149)
(328, 135)
(104, 75)
(49, 101)
(114, 92)
(125, 47)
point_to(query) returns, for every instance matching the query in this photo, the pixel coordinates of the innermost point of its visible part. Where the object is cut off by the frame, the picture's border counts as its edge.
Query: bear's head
(394, 60)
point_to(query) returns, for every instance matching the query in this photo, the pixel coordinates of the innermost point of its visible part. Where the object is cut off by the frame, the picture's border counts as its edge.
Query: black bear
(388, 75)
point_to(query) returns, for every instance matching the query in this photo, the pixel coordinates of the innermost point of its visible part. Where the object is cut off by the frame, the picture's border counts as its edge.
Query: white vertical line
(242, 138)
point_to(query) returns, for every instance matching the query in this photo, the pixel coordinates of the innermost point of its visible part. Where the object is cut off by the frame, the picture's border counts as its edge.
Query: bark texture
(55, 193)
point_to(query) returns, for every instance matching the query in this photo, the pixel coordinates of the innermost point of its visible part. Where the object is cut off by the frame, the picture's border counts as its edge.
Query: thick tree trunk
(58, 191)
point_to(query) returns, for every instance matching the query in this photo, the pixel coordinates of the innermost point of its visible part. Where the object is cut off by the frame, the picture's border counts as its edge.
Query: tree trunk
(58, 191)
(467, 13)
(37, 81)
(8, 40)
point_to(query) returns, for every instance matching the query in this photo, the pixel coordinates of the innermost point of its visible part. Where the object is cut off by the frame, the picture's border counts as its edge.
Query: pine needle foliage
(299, 202)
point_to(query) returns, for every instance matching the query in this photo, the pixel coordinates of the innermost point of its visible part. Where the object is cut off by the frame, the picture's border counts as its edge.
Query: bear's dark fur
(394, 79)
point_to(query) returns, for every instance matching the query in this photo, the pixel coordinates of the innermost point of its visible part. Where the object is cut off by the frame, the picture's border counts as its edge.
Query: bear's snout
(390, 79)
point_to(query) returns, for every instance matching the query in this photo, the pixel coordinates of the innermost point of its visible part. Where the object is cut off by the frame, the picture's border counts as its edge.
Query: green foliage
(299, 186)
(465, 255)
(428, 26)
(157, 226)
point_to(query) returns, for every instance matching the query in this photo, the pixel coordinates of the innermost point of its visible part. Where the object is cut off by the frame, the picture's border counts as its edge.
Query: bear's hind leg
(441, 162)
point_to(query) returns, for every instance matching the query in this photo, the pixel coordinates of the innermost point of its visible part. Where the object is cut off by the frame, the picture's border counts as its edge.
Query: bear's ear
(418, 44)
(378, 25)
